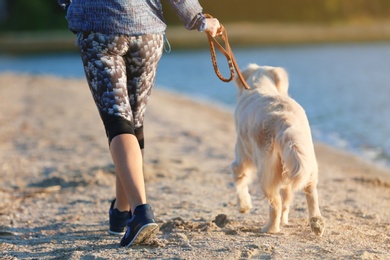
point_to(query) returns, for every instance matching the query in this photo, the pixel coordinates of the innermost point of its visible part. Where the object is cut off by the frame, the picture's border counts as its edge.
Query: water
(344, 88)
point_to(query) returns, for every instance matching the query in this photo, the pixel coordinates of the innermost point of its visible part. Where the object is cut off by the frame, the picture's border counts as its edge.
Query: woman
(121, 42)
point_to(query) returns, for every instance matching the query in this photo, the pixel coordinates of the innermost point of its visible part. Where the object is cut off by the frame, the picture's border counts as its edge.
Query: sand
(57, 181)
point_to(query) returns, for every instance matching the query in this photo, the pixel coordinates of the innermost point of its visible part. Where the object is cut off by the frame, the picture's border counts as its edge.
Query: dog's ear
(280, 77)
(245, 73)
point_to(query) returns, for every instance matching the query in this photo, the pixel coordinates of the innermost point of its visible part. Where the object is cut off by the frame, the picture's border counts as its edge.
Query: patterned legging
(121, 71)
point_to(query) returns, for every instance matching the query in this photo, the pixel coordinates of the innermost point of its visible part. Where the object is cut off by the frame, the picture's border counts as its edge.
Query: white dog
(274, 140)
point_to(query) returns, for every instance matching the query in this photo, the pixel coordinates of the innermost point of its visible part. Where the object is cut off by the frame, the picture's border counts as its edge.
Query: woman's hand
(213, 26)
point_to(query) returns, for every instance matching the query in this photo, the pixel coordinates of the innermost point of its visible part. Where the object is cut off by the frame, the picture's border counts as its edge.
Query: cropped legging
(121, 71)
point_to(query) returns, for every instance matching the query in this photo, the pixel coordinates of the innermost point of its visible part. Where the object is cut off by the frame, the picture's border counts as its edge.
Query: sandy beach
(57, 182)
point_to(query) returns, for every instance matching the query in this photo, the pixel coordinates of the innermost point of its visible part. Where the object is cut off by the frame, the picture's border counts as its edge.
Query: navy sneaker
(118, 220)
(140, 227)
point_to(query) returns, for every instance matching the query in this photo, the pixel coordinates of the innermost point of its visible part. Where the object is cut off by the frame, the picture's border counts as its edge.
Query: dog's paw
(244, 206)
(271, 229)
(284, 218)
(317, 225)
(244, 210)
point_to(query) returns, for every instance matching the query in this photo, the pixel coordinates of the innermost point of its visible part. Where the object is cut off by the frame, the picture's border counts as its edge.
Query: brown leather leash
(227, 52)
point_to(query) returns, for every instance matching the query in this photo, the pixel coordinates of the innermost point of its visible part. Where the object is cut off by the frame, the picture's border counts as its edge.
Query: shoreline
(57, 180)
(240, 35)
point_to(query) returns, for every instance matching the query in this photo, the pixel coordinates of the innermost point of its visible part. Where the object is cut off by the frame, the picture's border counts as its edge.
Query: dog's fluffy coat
(274, 140)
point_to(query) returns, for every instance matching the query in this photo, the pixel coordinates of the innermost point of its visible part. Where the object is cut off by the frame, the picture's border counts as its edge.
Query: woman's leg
(105, 70)
(121, 87)
(141, 65)
(127, 158)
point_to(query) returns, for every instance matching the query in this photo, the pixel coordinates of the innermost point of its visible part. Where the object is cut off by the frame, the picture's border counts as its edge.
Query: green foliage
(26, 15)
(31, 15)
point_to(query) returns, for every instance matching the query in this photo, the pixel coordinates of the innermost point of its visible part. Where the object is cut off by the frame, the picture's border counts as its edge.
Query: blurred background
(25, 21)
(336, 52)
(41, 15)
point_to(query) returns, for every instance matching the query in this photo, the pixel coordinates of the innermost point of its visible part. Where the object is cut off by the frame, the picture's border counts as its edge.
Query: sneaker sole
(145, 233)
(116, 233)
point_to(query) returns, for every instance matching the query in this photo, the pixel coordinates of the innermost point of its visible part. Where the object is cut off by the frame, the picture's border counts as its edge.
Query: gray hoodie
(129, 17)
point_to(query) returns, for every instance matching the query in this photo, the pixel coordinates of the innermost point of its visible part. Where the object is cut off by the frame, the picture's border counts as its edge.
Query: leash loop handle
(227, 52)
(224, 50)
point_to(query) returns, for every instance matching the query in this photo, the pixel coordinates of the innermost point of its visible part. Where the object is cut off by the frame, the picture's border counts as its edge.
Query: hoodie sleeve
(189, 13)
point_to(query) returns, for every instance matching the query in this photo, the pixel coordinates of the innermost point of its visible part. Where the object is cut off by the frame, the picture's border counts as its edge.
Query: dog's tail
(298, 165)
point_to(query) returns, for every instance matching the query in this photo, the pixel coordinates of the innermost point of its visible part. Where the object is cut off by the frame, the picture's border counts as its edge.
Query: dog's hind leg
(275, 212)
(270, 184)
(287, 197)
(242, 179)
(317, 223)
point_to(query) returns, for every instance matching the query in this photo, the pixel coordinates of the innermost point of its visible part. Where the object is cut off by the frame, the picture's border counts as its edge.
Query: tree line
(27, 15)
